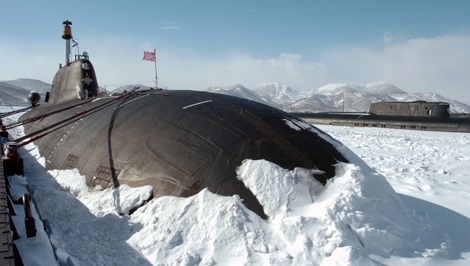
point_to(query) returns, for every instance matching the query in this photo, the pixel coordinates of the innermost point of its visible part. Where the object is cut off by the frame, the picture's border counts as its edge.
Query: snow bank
(358, 214)
(356, 217)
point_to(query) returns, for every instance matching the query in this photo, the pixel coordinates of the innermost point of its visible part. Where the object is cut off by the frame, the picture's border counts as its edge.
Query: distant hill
(30, 85)
(12, 95)
(15, 92)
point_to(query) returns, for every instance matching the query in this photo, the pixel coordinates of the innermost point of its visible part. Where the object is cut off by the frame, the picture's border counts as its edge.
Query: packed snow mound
(356, 216)
(122, 199)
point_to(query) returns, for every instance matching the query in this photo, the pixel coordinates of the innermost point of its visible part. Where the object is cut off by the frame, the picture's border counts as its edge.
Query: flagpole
(156, 76)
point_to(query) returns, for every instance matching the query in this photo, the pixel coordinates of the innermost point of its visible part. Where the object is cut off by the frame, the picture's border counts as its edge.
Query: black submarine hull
(446, 124)
(179, 142)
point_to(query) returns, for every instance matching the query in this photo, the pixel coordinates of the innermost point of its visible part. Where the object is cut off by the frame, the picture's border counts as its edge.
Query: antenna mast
(67, 36)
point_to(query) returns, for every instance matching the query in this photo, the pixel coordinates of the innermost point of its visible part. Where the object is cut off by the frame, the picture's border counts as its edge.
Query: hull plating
(177, 141)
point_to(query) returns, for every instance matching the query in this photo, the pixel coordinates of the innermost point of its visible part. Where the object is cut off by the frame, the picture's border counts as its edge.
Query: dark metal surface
(75, 80)
(417, 108)
(177, 141)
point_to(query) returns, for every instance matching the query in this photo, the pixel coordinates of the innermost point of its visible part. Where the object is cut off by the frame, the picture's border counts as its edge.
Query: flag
(149, 56)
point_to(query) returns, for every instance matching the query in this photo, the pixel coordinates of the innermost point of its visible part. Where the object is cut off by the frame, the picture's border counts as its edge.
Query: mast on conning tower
(67, 36)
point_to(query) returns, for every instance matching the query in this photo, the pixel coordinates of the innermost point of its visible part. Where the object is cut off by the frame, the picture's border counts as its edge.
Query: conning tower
(75, 80)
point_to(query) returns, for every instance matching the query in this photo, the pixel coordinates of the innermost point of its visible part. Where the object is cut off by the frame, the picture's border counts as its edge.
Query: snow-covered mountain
(328, 98)
(357, 98)
(240, 91)
(343, 97)
(12, 95)
(455, 106)
(30, 85)
(278, 94)
(379, 88)
(334, 97)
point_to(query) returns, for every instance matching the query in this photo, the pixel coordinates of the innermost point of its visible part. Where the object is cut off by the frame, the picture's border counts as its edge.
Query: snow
(403, 199)
(278, 93)
(38, 246)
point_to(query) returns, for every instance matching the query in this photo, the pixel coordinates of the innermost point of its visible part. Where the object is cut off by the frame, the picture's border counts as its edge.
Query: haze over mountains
(328, 98)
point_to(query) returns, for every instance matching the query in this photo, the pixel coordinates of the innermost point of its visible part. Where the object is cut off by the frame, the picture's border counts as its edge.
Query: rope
(77, 116)
(14, 112)
(42, 116)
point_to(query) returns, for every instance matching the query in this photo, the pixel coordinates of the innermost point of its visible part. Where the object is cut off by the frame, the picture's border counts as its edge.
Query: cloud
(437, 64)
(178, 71)
(33, 62)
(242, 68)
(168, 25)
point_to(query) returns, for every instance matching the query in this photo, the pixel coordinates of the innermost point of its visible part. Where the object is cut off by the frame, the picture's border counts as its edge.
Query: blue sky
(417, 45)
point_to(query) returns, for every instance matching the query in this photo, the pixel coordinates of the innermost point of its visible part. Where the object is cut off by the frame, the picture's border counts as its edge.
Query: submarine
(417, 115)
(177, 141)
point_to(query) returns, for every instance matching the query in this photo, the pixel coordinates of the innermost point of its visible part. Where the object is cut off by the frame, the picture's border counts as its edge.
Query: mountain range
(328, 98)
(334, 97)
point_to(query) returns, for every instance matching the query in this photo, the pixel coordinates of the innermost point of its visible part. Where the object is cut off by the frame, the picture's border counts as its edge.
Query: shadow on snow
(78, 236)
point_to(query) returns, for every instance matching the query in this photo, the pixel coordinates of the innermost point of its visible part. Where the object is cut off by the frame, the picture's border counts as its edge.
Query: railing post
(29, 222)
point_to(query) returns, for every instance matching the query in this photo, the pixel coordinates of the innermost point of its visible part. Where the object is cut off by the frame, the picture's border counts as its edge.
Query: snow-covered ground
(408, 207)
(430, 171)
